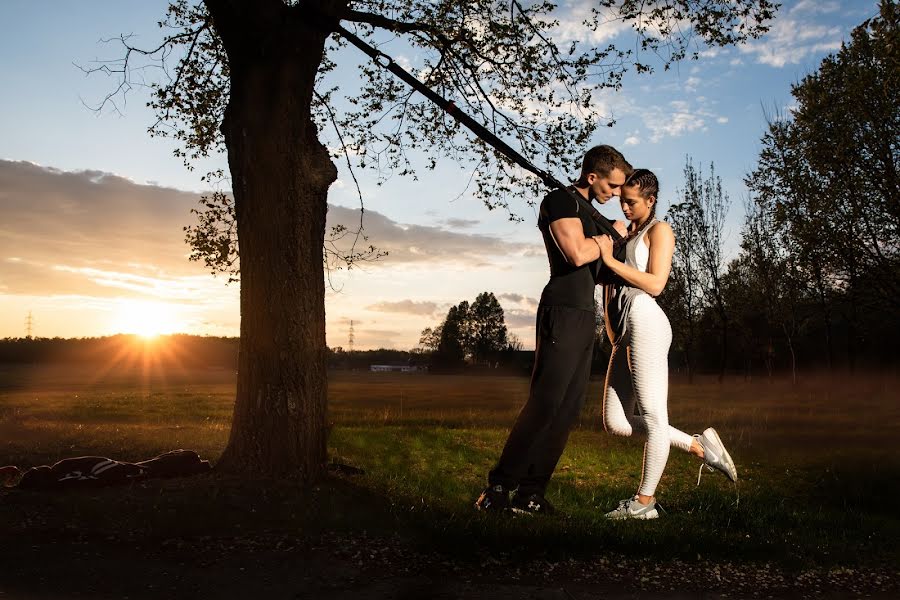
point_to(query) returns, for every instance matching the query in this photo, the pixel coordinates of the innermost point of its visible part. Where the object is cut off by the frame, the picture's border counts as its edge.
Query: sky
(92, 208)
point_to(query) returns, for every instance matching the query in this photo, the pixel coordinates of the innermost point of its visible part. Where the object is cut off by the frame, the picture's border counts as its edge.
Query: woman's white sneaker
(630, 508)
(715, 456)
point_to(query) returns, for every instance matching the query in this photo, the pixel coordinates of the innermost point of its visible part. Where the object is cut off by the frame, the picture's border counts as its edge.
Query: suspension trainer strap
(480, 131)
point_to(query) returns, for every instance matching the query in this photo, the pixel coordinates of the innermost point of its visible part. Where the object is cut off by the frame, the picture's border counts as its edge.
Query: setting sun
(146, 319)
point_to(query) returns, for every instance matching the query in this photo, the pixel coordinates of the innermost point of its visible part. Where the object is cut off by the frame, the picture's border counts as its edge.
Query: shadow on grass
(417, 492)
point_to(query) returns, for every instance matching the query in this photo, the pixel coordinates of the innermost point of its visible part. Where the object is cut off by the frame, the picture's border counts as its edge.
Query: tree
(782, 185)
(830, 171)
(712, 203)
(475, 332)
(771, 275)
(752, 335)
(430, 339)
(698, 221)
(451, 350)
(488, 328)
(251, 79)
(683, 297)
(513, 343)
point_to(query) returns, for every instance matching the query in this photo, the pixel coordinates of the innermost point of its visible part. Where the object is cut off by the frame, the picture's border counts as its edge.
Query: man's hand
(621, 227)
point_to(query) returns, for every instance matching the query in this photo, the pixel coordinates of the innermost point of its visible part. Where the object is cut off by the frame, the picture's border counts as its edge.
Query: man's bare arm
(568, 233)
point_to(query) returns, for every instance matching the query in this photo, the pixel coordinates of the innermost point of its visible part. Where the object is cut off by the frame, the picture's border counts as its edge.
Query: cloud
(632, 140)
(571, 27)
(815, 6)
(518, 318)
(518, 299)
(408, 243)
(90, 232)
(678, 118)
(376, 338)
(405, 306)
(76, 215)
(796, 36)
(95, 233)
(460, 223)
(692, 83)
(347, 321)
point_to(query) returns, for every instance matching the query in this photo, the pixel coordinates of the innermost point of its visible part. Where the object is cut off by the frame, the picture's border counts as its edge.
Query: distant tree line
(361, 360)
(817, 280)
(172, 351)
(125, 350)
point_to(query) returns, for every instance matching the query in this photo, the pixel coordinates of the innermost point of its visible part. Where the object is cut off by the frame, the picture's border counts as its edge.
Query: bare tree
(683, 297)
(701, 211)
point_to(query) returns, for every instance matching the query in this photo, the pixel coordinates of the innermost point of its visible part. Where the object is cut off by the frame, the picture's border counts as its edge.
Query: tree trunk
(793, 362)
(790, 340)
(280, 178)
(724, 362)
(689, 347)
(688, 359)
(851, 319)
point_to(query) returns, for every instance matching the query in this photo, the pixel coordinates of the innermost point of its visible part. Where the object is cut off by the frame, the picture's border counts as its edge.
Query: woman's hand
(606, 247)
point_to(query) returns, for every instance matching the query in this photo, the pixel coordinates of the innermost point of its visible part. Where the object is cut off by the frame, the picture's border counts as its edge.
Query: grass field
(819, 465)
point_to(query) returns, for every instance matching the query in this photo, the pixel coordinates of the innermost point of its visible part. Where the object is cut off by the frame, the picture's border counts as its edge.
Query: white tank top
(637, 253)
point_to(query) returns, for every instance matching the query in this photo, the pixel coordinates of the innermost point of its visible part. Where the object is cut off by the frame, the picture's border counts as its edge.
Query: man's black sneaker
(535, 503)
(493, 498)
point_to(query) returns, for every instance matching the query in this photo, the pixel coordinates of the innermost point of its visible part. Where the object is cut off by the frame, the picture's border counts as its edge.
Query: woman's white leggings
(639, 373)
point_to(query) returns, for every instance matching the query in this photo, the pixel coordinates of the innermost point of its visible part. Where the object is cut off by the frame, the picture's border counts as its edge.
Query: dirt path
(371, 568)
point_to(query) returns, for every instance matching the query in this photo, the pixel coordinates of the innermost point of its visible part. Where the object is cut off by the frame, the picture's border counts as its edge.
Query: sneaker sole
(726, 457)
(652, 514)
(489, 509)
(521, 511)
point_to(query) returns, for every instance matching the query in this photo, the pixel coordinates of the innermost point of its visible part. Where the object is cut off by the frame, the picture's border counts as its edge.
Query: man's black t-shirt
(569, 285)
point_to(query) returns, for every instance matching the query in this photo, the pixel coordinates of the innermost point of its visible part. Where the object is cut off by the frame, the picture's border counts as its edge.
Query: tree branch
(383, 22)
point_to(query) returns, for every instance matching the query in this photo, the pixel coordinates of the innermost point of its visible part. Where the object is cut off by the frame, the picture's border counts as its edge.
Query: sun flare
(146, 319)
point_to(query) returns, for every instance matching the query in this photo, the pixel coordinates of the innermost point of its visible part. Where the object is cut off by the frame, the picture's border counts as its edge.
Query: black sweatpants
(562, 365)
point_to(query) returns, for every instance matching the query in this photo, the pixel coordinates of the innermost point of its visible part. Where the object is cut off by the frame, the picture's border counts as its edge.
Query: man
(564, 339)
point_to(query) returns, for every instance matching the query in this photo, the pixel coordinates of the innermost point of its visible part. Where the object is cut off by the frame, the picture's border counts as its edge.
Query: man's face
(603, 188)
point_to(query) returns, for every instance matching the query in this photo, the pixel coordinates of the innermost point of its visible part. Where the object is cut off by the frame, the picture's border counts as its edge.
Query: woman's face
(636, 207)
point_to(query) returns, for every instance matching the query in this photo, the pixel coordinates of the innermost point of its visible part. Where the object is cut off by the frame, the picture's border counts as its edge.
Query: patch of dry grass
(812, 456)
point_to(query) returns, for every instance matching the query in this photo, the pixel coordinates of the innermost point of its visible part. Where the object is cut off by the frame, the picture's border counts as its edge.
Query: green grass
(818, 463)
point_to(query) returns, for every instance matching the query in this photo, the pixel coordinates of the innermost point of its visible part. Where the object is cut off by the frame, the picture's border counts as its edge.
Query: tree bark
(280, 178)
(688, 354)
(723, 365)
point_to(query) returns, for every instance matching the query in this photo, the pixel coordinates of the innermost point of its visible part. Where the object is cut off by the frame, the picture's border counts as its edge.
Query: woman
(638, 367)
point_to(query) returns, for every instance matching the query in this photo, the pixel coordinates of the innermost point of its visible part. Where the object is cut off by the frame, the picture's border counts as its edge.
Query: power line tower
(350, 338)
(29, 326)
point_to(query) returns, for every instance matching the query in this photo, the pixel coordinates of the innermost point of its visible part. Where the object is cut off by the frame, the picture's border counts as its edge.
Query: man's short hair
(602, 160)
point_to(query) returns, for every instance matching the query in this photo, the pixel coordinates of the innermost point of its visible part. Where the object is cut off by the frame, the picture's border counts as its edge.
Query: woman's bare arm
(662, 247)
